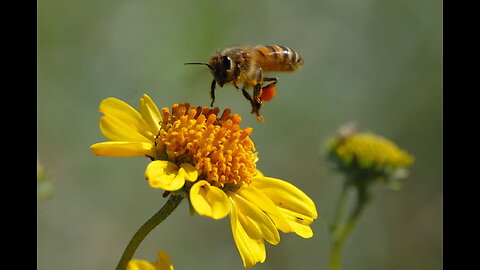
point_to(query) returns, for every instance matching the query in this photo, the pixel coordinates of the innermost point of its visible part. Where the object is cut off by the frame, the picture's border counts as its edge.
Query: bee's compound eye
(226, 62)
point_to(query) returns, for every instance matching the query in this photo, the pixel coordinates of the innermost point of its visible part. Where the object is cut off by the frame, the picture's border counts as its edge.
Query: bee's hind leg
(273, 80)
(258, 89)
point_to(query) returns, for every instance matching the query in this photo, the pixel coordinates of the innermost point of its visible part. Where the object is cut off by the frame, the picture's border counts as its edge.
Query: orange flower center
(221, 152)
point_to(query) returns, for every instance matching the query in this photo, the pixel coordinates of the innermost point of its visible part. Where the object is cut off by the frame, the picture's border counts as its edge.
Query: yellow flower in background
(367, 155)
(370, 150)
(364, 158)
(163, 263)
(205, 155)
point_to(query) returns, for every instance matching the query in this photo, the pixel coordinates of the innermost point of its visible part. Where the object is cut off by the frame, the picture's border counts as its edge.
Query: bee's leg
(257, 89)
(275, 80)
(236, 86)
(257, 93)
(212, 92)
(247, 95)
(255, 105)
(257, 101)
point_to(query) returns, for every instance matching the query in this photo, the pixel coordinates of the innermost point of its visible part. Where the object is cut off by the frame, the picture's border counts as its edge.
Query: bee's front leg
(212, 92)
(235, 84)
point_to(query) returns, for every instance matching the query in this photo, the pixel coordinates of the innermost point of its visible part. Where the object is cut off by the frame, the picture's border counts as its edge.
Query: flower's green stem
(146, 228)
(340, 232)
(339, 211)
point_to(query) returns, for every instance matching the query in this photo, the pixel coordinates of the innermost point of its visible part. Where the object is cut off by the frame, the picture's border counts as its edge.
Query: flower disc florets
(221, 152)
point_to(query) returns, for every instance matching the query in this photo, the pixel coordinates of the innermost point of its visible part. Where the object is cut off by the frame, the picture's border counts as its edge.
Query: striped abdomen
(278, 58)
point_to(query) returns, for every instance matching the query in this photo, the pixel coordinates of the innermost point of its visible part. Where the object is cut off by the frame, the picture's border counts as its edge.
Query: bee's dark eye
(226, 60)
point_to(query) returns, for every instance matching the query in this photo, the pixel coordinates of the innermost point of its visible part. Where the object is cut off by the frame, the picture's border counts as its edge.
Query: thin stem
(339, 211)
(341, 234)
(146, 228)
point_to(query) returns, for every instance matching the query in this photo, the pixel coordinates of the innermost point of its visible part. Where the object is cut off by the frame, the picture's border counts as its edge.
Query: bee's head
(222, 68)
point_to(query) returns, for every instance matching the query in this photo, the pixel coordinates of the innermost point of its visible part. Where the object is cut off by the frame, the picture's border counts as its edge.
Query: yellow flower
(370, 150)
(369, 157)
(206, 156)
(163, 263)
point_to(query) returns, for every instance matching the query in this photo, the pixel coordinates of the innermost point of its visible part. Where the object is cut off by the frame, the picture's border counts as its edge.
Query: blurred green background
(377, 62)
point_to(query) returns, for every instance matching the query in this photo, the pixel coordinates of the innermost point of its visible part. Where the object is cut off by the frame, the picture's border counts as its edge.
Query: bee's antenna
(195, 63)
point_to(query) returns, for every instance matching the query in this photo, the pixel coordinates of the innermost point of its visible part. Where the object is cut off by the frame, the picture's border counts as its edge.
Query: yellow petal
(262, 201)
(120, 110)
(255, 221)
(251, 250)
(150, 112)
(115, 129)
(298, 209)
(163, 174)
(286, 195)
(140, 265)
(123, 149)
(209, 200)
(163, 262)
(299, 224)
(188, 172)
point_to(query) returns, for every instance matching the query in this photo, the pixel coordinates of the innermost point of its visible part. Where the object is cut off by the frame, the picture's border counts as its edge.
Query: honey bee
(247, 65)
